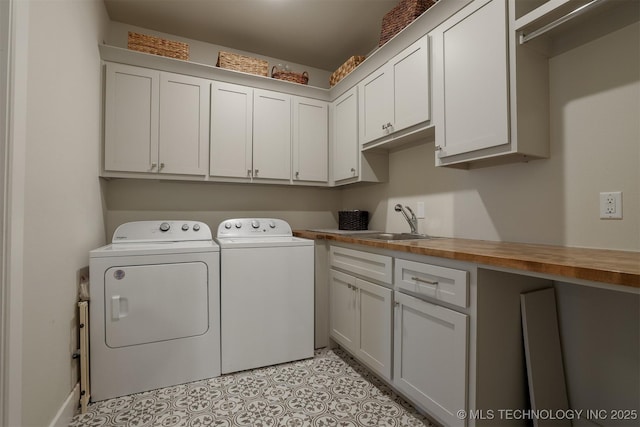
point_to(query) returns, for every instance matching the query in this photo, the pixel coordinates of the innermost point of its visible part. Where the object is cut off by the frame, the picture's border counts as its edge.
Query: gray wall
(600, 335)
(212, 203)
(63, 209)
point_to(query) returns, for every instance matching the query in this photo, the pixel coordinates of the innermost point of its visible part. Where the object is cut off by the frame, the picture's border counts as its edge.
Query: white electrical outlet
(420, 209)
(611, 205)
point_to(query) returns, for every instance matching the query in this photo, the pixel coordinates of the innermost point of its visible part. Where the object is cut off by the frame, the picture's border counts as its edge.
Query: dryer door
(155, 302)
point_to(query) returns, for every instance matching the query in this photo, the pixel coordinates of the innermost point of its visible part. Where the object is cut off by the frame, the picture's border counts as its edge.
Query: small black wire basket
(353, 220)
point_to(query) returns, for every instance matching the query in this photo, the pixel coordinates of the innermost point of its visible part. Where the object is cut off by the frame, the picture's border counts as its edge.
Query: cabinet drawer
(441, 283)
(365, 264)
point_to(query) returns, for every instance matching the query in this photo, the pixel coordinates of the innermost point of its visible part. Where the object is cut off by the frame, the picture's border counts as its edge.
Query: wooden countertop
(598, 265)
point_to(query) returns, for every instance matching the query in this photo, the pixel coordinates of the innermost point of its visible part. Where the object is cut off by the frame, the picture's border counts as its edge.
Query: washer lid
(161, 231)
(262, 242)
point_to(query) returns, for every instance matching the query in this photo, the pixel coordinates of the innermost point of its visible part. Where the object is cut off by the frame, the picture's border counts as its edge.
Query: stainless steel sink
(391, 236)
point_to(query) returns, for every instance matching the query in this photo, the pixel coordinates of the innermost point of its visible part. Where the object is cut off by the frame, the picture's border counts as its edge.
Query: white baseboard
(68, 409)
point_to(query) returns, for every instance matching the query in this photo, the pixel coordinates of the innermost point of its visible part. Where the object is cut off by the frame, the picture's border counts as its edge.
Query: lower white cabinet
(360, 320)
(430, 357)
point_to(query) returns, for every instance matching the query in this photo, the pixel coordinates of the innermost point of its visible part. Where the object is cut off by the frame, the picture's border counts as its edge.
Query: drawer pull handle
(428, 282)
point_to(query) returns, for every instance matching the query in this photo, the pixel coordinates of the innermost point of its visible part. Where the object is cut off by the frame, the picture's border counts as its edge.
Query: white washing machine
(154, 311)
(267, 291)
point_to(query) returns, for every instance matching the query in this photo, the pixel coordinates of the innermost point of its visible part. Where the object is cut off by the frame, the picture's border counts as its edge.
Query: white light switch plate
(420, 210)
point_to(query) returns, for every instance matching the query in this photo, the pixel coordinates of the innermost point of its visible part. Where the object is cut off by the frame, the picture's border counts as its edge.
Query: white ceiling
(317, 33)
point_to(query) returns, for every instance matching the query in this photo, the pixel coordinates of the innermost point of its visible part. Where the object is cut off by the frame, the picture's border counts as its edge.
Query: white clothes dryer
(155, 308)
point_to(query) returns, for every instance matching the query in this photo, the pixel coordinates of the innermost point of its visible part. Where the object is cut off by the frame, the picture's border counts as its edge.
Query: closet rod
(577, 12)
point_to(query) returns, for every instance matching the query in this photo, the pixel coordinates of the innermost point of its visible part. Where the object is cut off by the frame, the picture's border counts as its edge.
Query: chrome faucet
(413, 221)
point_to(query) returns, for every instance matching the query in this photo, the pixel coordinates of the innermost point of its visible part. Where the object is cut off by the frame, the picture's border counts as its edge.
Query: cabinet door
(376, 104)
(342, 309)
(184, 124)
(131, 119)
(430, 357)
(271, 135)
(310, 140)
(231, 130)
(470, 74)
(374, 327)
(345, 136)
(411, 85)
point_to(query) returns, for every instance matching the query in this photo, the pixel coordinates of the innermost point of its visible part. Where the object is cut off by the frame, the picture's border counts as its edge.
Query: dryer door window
(155, 302)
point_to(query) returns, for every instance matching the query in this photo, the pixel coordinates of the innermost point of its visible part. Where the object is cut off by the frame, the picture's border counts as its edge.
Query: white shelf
(548, 12)
(161, 63)
(555, 18)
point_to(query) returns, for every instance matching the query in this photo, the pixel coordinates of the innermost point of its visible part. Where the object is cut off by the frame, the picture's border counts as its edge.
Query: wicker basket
(402, 15)
(158, 46)
(353, 220)
(290, 76)
(246, 64)
(345, 69)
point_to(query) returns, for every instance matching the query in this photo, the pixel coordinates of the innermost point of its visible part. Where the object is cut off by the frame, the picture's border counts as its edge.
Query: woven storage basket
(345, 69)
(290, 76)
(158, 46)
(246, 64)
(353, 220)
(402, 15)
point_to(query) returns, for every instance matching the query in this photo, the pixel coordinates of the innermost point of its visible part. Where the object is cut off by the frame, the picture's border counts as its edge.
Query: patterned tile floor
(331, 389)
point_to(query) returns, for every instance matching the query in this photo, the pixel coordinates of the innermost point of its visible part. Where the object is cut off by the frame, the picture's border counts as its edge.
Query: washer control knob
(255, 224)
(196, 227)
(238, 224)
(227, 225)
(272, 224)
(185, 227)
(164, 226)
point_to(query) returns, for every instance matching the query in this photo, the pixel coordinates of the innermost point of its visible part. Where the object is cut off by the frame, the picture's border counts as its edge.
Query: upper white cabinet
(184, 124)
(345, 136)
(231, 131)
(310, 140)
(489, 95)
(396, 96)
(155, 122)
(250, 133)
(349, 163)
(271, 135)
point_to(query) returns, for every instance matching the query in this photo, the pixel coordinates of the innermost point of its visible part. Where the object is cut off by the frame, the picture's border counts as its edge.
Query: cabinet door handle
(153, 166)
(353, 171)
(297, 175)
(255, 172)
(438, 148)
(249, 172)
(428, 282)
(161, 166)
